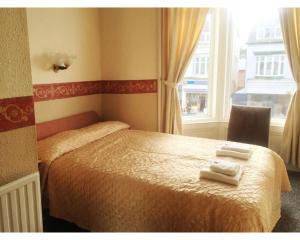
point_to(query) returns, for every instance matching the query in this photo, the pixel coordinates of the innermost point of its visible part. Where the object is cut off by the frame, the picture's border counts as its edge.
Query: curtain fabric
(181, 28)
(290, 24)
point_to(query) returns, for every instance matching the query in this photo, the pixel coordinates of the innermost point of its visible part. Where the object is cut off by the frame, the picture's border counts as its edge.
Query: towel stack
(223, 171)
(236, 150)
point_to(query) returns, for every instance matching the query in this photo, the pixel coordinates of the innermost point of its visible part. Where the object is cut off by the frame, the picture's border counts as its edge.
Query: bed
(107, 177)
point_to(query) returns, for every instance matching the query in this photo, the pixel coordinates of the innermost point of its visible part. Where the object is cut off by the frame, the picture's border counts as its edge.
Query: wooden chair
(249, 125)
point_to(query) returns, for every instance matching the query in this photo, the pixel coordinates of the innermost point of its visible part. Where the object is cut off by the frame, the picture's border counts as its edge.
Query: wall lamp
(59, 61)
(62, 61)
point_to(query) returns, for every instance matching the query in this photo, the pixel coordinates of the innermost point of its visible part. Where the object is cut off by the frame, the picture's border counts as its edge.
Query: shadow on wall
(43, 61)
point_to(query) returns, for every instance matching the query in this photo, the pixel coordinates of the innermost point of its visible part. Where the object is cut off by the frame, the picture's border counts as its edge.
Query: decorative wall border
(128, 86)
(44, 92)
(16, 112)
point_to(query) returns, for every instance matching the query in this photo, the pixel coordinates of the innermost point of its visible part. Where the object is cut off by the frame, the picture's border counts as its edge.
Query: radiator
(20, 205)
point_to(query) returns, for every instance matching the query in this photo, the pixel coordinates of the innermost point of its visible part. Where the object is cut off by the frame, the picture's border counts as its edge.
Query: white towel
(236, 147)
(206, 173)
(227, 153)
(224, 167)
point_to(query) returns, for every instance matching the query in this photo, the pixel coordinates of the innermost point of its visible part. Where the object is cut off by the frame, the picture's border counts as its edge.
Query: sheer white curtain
(290, 24)
(181, 28)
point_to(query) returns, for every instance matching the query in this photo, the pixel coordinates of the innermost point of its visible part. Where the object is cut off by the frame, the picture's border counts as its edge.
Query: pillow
(101, 129)
(53, 147)
(56, 145)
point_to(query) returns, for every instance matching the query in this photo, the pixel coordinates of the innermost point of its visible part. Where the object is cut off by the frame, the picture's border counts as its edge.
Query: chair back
(249, 125)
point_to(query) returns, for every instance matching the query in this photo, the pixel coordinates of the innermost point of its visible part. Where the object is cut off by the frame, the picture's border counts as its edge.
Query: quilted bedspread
(133, 180)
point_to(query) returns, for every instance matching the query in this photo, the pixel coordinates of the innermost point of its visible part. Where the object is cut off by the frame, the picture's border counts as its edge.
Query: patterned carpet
(289, 222)
(290, 211)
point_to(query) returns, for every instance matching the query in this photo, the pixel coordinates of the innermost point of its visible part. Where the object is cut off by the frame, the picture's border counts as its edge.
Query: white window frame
(196, 65)
(203, 65)
(200, 62)
(259, 61)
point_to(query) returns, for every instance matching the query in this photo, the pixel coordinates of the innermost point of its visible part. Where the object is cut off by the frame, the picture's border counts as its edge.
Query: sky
(246, 18)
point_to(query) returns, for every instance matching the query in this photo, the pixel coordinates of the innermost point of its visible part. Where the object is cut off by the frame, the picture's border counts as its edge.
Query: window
(270, 65)
(239, 60)
(205, 36)
(200, 66)
(265, 32)
(196, 65)
(267, 80)
(193, 91)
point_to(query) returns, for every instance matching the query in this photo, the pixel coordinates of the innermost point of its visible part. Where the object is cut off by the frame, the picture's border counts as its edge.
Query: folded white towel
(224, 167)
(206, 173)
(237, 147)
(227, 153)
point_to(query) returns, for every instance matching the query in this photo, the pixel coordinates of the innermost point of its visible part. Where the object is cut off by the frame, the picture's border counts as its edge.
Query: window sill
(276, 125)
(191, 120)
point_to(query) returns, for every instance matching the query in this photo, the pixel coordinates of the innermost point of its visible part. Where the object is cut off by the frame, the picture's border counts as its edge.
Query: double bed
(107, 177)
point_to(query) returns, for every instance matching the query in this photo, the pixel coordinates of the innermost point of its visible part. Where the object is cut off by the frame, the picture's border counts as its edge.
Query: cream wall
(129, 48)
(14, 57)
(17, 147)
(138, 110)
(129, 43)
(71, 31)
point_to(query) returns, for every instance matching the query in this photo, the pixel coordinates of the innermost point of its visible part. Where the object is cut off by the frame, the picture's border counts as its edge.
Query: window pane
(276, 66)
(269, 66)
(202, 72)
(196, 65)
(278, 33)
(267, 33)
(193, 91)
(266, 82)
(262, 66)
(257, 64)
(259, 34)
(275, 69)
(281, 65)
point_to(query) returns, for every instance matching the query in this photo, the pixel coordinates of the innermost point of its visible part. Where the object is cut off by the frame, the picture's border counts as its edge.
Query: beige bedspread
(133, 180)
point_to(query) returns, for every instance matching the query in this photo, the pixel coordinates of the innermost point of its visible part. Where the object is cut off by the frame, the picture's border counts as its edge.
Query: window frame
(275, 122)
(210, 116)
(259, 61)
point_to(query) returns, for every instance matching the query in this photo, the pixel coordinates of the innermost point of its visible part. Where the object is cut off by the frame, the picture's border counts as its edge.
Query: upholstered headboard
(47, 129)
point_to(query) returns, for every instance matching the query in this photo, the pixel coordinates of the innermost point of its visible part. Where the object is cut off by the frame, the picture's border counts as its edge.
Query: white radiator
(20, 205)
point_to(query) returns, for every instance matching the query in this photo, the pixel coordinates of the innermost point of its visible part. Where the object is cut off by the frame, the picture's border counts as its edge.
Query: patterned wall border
(16, 112)
(128, 86)
(44, 92)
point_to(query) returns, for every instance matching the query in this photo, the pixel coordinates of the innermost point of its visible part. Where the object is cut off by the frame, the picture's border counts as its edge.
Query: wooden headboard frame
(47, 129)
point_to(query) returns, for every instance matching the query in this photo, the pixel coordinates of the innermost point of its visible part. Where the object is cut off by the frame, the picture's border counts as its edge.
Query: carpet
(290, 209)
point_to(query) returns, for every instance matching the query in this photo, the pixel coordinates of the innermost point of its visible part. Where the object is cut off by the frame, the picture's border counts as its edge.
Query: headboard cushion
(47, 129)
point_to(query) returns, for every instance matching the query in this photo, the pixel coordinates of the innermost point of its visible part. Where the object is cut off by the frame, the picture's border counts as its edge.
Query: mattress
(130, 180)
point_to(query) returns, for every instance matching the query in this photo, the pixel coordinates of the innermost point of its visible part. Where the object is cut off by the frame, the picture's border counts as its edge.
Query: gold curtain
(290, 24)
(181, 28)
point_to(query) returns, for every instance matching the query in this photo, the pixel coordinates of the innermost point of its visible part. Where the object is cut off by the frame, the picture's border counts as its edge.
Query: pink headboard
(47, 129)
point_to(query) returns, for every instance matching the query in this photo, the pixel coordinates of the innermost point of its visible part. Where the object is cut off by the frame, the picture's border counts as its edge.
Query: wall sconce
(62, 61)
(56, 61)
(61, 66)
